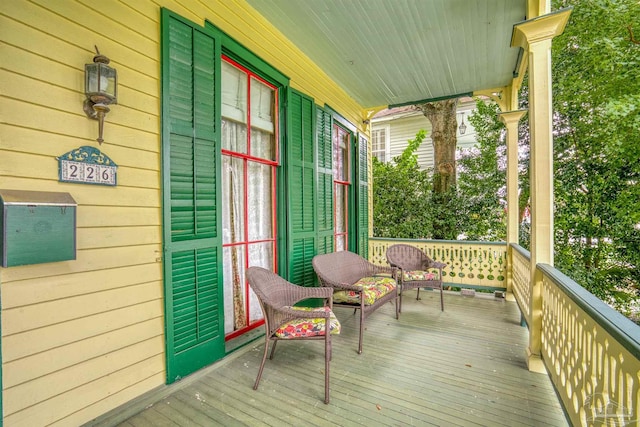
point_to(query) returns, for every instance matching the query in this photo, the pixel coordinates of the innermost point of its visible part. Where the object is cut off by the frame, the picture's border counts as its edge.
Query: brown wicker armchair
(283, 321)
(413, 270)
(356, 283)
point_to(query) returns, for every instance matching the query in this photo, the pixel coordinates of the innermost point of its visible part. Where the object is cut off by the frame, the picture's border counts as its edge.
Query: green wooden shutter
(191, 161)
(302, 188)
(363, 197)
(325, 181)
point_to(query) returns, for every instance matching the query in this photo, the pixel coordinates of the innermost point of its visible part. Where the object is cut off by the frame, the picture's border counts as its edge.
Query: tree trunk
(442, 115)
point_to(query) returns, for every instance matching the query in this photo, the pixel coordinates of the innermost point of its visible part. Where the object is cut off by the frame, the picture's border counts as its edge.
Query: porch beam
(534, 36)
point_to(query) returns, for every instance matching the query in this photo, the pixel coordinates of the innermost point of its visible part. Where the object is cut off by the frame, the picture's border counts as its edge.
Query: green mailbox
(37, 227)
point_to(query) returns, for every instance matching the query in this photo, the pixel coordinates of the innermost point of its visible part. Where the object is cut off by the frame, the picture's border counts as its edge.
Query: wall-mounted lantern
(101, 89)
(463, 127)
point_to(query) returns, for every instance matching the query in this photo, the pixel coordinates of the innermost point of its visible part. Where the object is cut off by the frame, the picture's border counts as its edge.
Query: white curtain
(246, 181)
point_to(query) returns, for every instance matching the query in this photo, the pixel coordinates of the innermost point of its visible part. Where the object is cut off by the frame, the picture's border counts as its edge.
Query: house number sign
(87, 165)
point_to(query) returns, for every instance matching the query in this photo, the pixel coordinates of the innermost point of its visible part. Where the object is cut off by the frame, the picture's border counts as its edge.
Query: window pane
(379, 144)
(234, 136)
(340, 154)
(341, 209)
(234, 288)
(260, 206)
(234, 93)
(263, 144)
(261, 255)
(232, 200)
(262, 120)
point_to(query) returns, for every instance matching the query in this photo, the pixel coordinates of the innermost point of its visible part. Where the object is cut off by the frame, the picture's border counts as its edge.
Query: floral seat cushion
(301, 327)
(374, 288)
(410, 276)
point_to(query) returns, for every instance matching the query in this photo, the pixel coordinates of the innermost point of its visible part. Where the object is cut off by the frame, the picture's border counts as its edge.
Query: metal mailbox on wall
(37, 227)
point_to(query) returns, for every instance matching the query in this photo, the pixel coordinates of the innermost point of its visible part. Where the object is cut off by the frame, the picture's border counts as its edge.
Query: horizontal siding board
(71, 23)
(52, 336)
(29, 90)
(51, 410)
(55, 359)
(20, 164)
(39, 290)
(37, 141)
(32, 116)
(88, 260)
(123, 216)
(40, 389)
(108, 237)
(35, 316)
(117, 398)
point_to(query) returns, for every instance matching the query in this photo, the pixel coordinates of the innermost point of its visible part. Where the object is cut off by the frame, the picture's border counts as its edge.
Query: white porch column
(535, 36)
(511, 120)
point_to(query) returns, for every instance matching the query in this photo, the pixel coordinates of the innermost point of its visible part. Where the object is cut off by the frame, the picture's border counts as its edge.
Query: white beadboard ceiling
(389, 52)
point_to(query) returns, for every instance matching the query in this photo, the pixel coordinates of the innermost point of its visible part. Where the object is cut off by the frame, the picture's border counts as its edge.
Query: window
(379, 144)
(341, 186)
(249, 162)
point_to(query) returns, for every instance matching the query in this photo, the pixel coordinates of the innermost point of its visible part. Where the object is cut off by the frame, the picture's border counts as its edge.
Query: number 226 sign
(87, 165)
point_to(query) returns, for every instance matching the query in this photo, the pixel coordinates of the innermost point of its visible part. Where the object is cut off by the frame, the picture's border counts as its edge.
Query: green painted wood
(363, 197)
(462, 367)
(324, 181)
(191, 159)
(301, 180)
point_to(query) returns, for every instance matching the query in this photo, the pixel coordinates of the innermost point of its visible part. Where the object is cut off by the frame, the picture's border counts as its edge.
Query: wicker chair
(413, 270)
(283, 321)
(353, 277)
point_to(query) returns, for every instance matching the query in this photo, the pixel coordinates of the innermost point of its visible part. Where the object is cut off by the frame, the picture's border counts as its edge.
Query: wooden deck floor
(461, 367)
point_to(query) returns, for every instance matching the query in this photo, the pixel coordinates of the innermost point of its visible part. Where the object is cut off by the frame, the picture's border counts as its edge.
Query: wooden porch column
(534, 36)
(511, 120)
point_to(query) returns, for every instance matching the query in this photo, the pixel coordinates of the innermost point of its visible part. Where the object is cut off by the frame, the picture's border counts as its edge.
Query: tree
(401, 195)
(482, 177)
(596, 90)
(442, 115)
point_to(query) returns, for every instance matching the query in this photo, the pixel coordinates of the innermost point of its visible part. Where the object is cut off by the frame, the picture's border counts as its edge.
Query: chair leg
(327, 358)
(264, 359)
(273, 349)
(361, 329)
(400, 297)
(397, 312)
(441, 300)
(418, 294)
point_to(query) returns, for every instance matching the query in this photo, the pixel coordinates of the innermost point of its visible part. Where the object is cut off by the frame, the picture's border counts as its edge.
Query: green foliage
(482, 178)
(401, 195)
(596, 90)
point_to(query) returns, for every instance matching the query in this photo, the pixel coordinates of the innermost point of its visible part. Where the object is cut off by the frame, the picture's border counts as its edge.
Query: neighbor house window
(379, 144)
(341, 183)
(249, 162)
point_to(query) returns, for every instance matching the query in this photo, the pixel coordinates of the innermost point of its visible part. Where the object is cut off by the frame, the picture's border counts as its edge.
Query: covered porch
(464, 366)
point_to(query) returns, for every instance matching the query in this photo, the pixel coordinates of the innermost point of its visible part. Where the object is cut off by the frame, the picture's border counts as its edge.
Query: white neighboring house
(392, 129)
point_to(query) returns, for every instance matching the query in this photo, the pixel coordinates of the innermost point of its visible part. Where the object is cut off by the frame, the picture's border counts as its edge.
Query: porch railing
(479, 265)
(590, 351)
(521, 280)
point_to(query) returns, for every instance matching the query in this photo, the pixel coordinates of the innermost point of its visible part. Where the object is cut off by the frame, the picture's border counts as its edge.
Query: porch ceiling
(387, 52)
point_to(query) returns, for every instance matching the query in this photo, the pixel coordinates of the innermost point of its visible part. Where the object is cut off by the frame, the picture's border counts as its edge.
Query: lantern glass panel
(101, 80)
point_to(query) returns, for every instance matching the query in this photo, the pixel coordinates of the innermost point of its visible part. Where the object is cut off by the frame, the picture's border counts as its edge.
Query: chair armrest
(303, 314)
(383, 269)
(297, 293)
(438, 265)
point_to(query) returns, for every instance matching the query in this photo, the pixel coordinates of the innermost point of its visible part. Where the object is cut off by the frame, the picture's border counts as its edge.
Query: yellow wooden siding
(82, 337)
